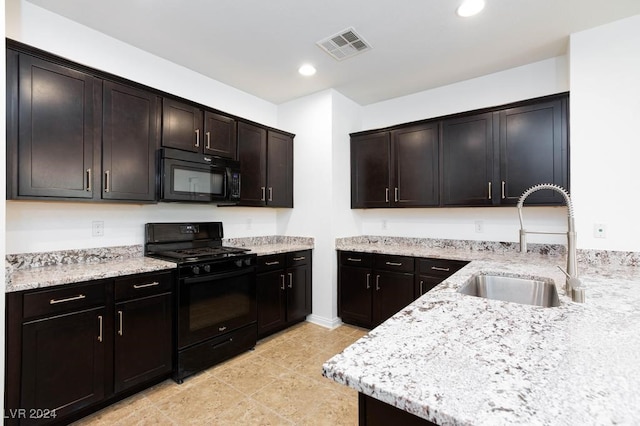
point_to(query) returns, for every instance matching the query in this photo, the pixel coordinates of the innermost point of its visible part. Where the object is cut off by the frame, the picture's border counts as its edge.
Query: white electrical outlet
(479, 226)
(384, 223)
(97, 228)
(249, 224)
(599, 230)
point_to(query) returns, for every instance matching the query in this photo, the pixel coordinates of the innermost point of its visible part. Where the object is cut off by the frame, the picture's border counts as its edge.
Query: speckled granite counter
(263, 246)
(462, 360)
(26, 271)
(36, 270)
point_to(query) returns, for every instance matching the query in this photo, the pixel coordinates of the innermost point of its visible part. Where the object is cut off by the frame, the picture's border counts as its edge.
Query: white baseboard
(329, 323)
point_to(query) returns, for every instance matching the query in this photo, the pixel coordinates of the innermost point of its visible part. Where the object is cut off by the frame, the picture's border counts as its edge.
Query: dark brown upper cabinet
(395, 169)
(130, 135)
(533, 150)
(76, 137)
(187, 127)
(51, 129)
(266, 161)
(481, 158)
(468, 160)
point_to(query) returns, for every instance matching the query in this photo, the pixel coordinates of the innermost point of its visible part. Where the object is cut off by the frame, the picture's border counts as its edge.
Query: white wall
(319, 197)
(605, 149)
(42, 226)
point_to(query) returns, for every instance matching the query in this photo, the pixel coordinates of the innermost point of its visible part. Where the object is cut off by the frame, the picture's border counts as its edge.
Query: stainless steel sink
(512, 289)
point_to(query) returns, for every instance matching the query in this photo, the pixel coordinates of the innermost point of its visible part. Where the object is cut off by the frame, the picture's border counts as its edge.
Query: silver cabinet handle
(503, 191)
(282, 279)
(489, 190)
(296, 259)
(120, 321)
(222, 329)
(88, 186)
(394, 263)
(437, 268)
(353, 259)
(368, 281)
(386, 195)
(421, 287)
(290, 279)
(153, 284)
(68, 299)
(106, 181)
(263, 193)
(100, 331)
(377, 282)
(272, 263)
(197, 138)
(270, 194)
(208, 146)
(396, 194)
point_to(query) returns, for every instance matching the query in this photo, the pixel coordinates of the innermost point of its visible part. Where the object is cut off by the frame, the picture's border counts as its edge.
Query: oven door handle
(223, 275)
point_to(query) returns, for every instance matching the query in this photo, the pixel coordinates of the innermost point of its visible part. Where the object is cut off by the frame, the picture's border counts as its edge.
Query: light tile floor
(278, 383)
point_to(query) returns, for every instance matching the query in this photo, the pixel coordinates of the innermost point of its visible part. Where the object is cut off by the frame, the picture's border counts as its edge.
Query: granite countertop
(462, 360)
(27, 271)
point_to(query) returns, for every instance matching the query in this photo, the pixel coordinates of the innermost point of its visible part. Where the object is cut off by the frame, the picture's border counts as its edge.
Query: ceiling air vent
(345, 44)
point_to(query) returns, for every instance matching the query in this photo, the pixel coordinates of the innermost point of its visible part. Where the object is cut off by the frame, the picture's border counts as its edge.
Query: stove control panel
(209, 267)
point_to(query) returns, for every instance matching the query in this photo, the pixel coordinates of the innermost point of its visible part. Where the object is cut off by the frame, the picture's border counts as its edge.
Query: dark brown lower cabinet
(374, 287)
(73, 349)
(283, 290)
(373, 412)
(63, 364)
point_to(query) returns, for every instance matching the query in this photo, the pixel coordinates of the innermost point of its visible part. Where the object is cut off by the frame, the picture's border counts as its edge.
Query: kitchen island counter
(456, 359)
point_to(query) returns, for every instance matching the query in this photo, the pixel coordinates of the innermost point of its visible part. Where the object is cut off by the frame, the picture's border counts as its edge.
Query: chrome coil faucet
(573, 285)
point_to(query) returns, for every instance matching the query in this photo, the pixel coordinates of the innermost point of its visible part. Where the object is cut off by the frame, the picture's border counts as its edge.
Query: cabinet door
(55, 130)
(468, 168)
(252, 153)
(355, 295)
(279, 170)
(533, 150)
(414, 158)
(271, 297)
(129, 141)
(64, 361)
(181, 126)
(298, 280)
(393, 291)
(424, 283)
(143, 336)
(220, 135)
(370, 170)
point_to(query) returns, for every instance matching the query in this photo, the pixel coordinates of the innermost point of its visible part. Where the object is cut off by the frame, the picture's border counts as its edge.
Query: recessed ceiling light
(470, 8)
(307, 70)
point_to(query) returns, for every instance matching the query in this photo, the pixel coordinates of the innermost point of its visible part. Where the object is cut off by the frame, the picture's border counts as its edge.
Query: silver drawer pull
(100, 326)
(153, 284)
(222, 328)
(69, 299)
(394, 264)
(299, 258)
(277, 262)
(437, 268)
(351, 259)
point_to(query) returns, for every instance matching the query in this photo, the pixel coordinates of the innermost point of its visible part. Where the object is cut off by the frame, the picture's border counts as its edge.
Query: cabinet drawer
(271, 262)
(394, 263)
(363, 260)
(143, 285)
(63, 299)
(439, 267)
(295, 258)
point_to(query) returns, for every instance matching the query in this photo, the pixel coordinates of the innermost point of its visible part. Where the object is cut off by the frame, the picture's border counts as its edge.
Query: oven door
(187, 181)
(215, 304)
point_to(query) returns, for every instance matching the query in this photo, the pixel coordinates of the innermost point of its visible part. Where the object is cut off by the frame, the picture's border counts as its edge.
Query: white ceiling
(257, 45)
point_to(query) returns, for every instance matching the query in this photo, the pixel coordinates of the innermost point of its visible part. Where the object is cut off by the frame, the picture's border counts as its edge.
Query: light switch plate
(599, 230)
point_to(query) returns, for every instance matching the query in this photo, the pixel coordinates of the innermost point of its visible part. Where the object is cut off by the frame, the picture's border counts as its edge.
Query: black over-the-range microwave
(189, 176)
